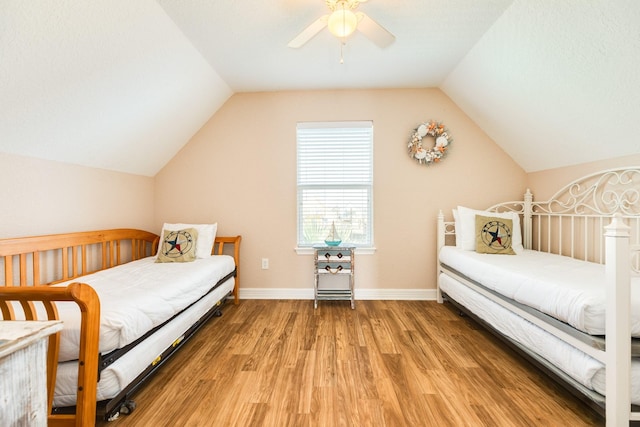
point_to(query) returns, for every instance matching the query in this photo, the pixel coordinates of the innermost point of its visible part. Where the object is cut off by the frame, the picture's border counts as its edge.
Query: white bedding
(578, 365)
(565, 288)
(118, 375)
(137, 296)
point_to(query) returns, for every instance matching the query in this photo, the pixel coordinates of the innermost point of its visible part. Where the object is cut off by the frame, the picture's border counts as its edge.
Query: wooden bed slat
(65, 263)
(139, 245)
(8, 270)
(36, 268)
(74, 261)
(104, 255)
(23, 269)
(83, 256)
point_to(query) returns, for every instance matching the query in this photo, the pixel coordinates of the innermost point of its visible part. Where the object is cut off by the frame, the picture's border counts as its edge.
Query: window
(335, 182)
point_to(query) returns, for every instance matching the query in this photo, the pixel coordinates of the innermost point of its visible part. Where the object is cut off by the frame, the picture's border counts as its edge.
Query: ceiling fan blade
(374, 31)
(308, 33)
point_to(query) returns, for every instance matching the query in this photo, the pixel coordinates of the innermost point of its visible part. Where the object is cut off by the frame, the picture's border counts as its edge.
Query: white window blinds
(335, 182)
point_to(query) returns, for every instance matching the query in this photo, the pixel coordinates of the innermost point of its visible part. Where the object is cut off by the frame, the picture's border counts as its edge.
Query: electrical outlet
(265, 263)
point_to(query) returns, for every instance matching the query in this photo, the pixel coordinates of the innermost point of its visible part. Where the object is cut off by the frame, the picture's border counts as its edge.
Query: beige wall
(45, 197)
(544, 184)
(240, 170)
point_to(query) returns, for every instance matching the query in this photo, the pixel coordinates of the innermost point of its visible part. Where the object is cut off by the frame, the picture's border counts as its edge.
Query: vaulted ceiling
(123, 85)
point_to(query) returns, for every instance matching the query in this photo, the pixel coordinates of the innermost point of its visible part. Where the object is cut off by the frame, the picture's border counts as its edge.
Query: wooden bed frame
(32, 263)
(595, 218)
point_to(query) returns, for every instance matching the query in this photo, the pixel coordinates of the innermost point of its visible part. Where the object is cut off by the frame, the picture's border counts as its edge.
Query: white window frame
(310, 180)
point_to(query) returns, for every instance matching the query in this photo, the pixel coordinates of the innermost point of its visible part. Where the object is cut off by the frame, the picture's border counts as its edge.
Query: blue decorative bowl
(333, 242)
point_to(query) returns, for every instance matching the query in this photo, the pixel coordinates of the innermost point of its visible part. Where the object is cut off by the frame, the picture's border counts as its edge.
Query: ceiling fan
(342, 22)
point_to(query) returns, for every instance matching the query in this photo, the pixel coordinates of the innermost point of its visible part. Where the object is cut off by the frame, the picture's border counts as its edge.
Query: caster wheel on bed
(217, 313)
(127, 407)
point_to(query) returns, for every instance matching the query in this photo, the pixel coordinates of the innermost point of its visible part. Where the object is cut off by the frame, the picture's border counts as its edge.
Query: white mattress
(137, 296)
(565, 288)
(578, 365)
(118, 375)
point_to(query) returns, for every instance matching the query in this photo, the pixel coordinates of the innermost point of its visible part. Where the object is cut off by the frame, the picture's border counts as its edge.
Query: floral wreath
(438, 151)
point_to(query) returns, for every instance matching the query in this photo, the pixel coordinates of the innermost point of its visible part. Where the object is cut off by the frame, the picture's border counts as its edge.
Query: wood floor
(386, 363)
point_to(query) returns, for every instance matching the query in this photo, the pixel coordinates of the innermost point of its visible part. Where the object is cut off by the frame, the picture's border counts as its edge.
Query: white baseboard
(360, 294)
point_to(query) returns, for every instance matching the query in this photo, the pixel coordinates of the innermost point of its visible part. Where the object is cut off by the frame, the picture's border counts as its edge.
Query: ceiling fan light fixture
(342, 22)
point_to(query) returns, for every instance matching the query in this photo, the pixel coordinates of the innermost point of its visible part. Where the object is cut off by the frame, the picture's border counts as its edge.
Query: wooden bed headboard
(49, 259)
(55, 258)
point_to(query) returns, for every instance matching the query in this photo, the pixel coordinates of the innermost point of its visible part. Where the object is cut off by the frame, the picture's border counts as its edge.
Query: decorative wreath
(432, 154)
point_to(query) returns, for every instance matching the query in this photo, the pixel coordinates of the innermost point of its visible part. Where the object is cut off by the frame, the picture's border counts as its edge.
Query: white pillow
(456, 220)
(206, 236)
(466, 232)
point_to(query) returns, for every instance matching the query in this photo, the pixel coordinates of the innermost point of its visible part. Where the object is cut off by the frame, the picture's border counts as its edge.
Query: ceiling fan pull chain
(341, 53)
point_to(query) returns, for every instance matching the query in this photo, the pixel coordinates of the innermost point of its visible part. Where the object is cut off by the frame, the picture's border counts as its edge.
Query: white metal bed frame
(571, 223)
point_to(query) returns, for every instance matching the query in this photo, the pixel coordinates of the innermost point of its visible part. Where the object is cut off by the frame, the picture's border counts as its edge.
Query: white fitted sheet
(138, 296)
(566, 288)
(581, 367)
(124, 370)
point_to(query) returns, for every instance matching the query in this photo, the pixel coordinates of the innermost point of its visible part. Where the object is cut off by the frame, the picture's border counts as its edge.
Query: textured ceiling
(123, 85)
(246, 42)
(109, 84)
(556, 83)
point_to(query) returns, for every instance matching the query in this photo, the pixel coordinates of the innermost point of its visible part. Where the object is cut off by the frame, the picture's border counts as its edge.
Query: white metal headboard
(572, 221)
(603, 193)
